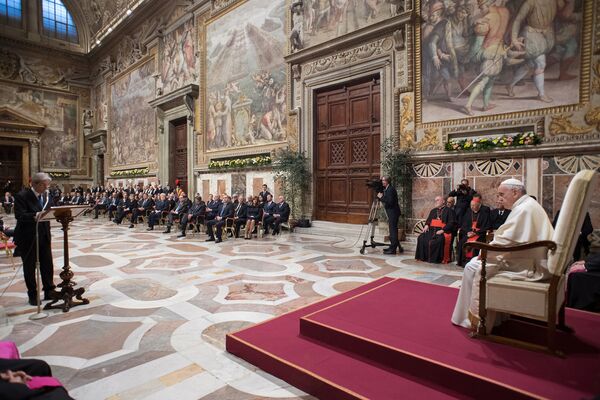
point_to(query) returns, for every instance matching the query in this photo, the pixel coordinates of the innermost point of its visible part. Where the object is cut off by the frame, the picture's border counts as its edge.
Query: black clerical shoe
(48, 295)
(210, 239)
(218, 241)
(389, 251)
(400, 250)
(168, 230)
(130, 226)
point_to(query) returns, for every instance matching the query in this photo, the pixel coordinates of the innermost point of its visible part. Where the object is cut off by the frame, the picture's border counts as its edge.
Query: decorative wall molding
(348, 57)
(563, 125)
(219, 6)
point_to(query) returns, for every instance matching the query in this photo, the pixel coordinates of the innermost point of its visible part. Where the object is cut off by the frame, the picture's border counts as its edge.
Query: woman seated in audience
(254, 214)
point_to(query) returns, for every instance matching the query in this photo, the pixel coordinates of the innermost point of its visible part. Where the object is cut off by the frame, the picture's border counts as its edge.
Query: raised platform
(393, 339)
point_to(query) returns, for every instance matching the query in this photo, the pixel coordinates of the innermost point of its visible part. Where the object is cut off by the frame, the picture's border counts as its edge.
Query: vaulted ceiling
(104, 16)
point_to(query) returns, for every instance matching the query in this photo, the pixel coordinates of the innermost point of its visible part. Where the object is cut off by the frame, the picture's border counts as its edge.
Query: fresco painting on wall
(58, 112)
(494, 57)
(325, 19)
(245, 78)
(100, 105)
(179, 58)
(132, 120)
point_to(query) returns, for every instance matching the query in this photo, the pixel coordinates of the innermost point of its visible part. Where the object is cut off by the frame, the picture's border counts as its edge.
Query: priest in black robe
(473, 228)
(434, 245)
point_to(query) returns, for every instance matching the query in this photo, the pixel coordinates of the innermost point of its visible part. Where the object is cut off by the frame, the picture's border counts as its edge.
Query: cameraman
(464, 194)
(389, 198)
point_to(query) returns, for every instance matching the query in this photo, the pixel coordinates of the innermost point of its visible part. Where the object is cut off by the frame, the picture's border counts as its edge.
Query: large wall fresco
(324, 20)
(480, 60)
(245, 77)
(179, 58)
(58, 112)
(132, 120)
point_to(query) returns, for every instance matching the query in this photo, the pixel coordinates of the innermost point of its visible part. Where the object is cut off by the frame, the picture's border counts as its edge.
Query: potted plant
(291, 168)
(396, 164)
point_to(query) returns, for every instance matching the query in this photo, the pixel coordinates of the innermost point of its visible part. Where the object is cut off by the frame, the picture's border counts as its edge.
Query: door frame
(164, 147)
(172, 124)
(24, 144)
(381, 67)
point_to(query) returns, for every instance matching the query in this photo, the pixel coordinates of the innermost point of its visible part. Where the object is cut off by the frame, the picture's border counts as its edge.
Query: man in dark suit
(162, 204)
(262, 196)
(389, 198)
(212, 207)
(225, 211)
(498, 216)
(195, 214)
(239, 215)
(181, 208)
(268, 211)
(281, 214)
(28, 204)
(143, 208)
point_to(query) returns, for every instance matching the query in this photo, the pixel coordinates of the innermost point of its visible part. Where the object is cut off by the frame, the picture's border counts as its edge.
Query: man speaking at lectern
(28, 204)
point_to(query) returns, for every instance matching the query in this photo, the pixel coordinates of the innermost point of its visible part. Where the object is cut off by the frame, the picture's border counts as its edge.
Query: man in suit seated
(77, 199)
(212, 207)
(143, 207)
(159, 206)
(115, 203)
(268, 210)
(280, 215)
(239, 215)
(128, 206)
(180, 209)
(8, 202)
(101, 204)
(225, 211)
(194, 214)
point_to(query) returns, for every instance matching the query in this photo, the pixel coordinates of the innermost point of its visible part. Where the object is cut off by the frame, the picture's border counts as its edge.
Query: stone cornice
(175, 98)
(365, 34)
(525, 151)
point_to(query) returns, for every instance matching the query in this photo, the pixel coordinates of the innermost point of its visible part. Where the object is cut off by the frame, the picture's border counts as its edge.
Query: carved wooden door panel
(179, 154)
(11, 167)
(347, 151)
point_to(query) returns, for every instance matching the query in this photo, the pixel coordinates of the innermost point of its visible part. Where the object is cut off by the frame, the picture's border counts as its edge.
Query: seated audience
(214, 227)
(22, 379)
(143, 208)
(474, 227)
(280, 215)
(127, 207)
(160, 206)
(101, 204)
(434, 245)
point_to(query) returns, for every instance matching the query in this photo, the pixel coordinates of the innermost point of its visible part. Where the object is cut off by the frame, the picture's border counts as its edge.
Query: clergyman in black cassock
(434, 245)
(474, 227)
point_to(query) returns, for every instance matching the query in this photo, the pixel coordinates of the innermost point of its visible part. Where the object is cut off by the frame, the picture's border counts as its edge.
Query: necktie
(222, 210)
(41, 201)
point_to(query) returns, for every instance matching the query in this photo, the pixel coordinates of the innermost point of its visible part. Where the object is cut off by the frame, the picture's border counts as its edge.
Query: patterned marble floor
(160, 307)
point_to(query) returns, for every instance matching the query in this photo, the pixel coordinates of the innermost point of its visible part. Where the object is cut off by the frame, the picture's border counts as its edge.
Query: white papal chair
(542, 300)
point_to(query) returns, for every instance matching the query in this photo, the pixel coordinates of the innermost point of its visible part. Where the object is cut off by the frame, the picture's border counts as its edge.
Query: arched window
(57, 21)
(10, 12)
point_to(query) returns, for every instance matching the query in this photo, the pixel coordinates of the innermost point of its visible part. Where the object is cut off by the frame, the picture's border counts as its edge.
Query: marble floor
(160, 307)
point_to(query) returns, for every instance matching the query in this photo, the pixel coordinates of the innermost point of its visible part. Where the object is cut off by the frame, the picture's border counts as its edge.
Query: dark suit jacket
(269, 207)
(26, 206)
(283, 210)
(390, 202)
(226, 210)
(240, 212)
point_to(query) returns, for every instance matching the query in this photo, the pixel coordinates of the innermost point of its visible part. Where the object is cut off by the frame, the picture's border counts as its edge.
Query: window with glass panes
(58, 22)
(10, 12)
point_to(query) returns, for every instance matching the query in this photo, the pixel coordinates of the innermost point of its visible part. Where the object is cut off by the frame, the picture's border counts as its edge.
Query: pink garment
(9, 350)
(37, 382)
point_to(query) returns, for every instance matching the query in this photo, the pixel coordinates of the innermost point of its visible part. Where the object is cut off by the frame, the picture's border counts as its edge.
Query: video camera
(376, 185)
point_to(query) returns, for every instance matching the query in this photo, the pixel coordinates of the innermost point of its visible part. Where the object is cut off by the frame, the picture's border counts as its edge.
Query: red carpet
(413, 351)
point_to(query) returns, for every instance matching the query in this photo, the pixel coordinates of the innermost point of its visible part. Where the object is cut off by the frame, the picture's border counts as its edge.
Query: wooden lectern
(65, 215)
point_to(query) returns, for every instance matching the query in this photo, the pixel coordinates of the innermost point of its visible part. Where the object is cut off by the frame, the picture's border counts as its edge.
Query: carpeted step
(405, 326)
(321, 370)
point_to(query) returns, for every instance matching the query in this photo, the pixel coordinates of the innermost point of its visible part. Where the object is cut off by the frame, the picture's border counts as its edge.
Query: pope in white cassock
(527, 222)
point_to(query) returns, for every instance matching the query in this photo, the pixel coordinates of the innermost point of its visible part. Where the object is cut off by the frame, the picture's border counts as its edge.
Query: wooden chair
(541, 300)
(8, 246)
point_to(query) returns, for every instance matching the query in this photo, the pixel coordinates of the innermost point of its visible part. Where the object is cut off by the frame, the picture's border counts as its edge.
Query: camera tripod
(373, 221)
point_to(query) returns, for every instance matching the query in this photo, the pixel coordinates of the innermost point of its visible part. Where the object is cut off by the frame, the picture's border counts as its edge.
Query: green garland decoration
(239, 163)
(129, 172)
(504, 141)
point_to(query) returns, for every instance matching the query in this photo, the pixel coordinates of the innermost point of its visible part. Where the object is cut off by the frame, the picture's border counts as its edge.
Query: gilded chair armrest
(526, 246)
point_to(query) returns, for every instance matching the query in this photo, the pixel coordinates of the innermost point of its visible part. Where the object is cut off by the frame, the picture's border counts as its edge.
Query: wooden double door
(178, 155)
(11, 167)
(347, 150)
